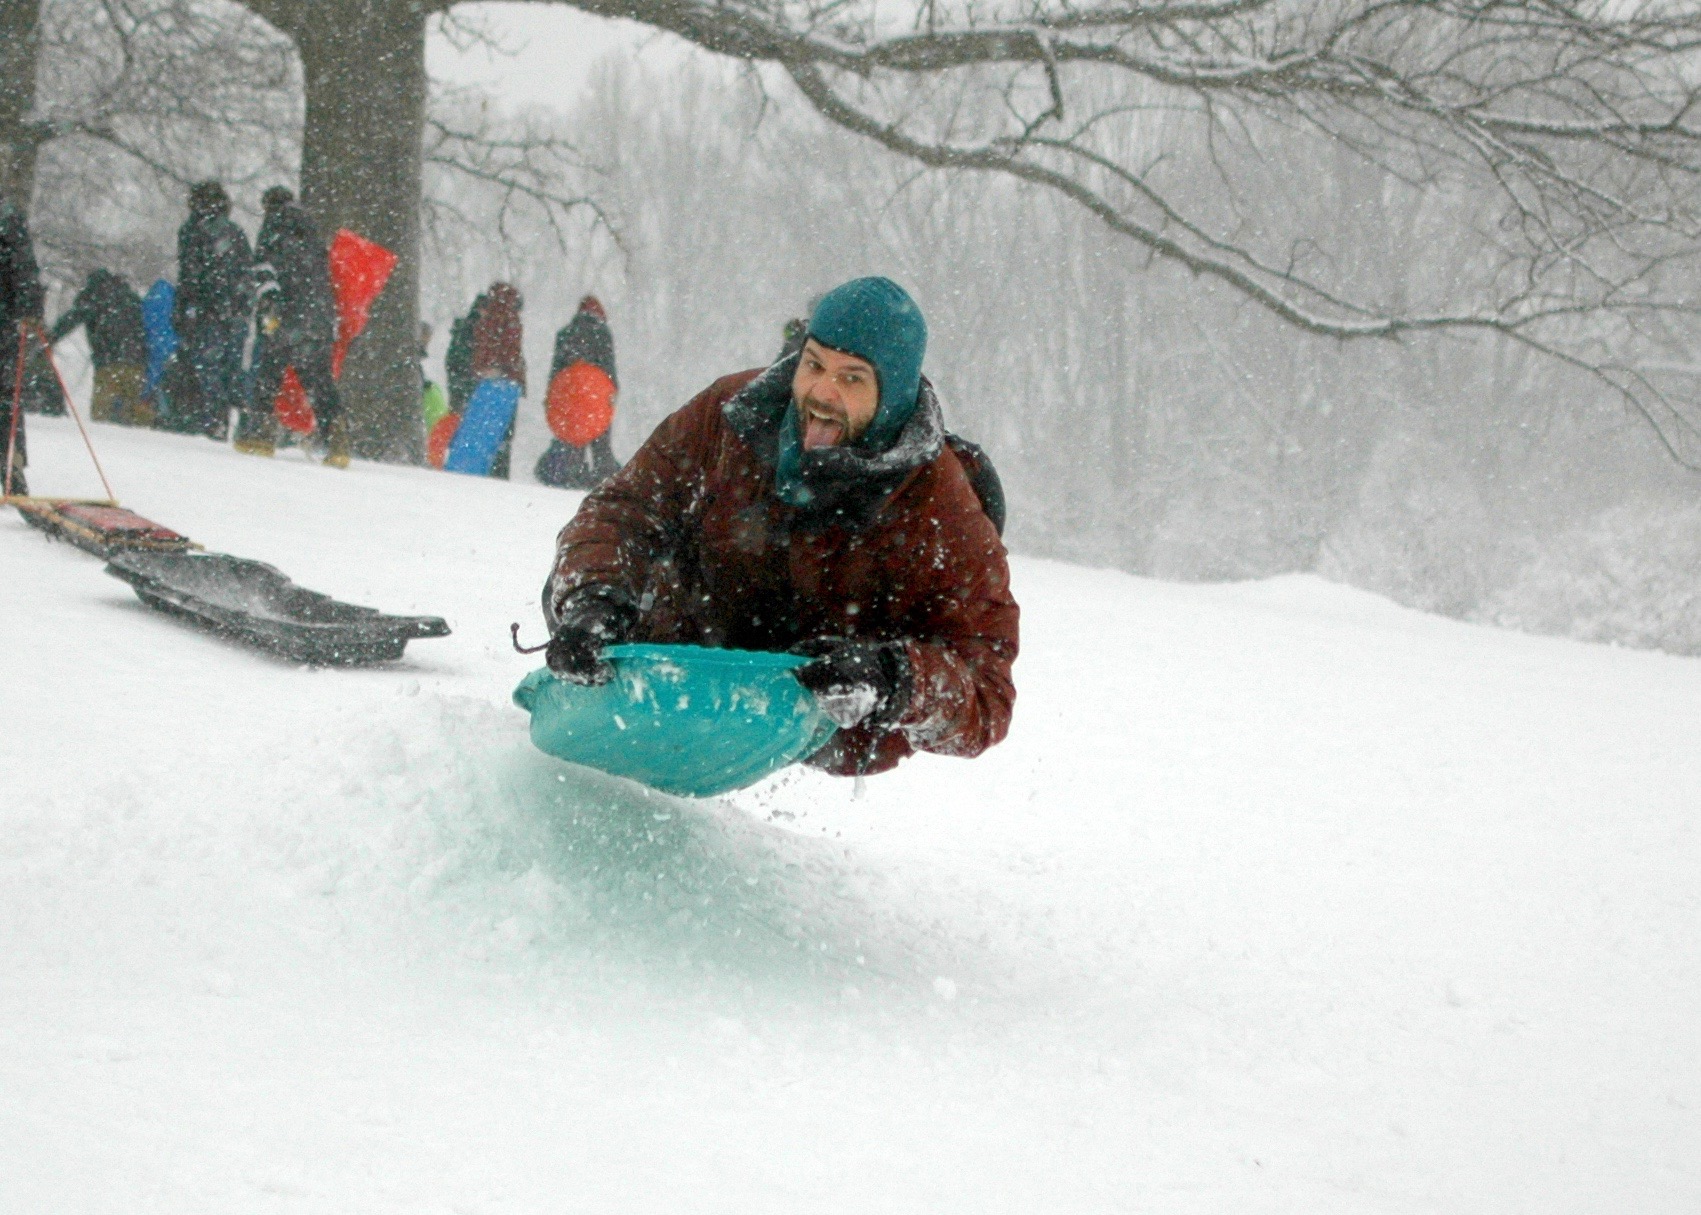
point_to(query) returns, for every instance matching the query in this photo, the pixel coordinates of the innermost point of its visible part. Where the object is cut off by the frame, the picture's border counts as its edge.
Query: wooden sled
(99, 526)
(254, 603)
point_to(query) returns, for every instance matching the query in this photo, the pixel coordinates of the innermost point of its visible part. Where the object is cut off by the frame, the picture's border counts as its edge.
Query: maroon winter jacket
(497, 337)
(692, 531)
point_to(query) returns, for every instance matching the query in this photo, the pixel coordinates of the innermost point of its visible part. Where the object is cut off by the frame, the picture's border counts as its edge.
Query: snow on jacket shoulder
(692, 530)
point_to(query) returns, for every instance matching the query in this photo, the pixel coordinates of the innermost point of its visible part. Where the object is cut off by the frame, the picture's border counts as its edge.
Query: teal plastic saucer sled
(680, 718)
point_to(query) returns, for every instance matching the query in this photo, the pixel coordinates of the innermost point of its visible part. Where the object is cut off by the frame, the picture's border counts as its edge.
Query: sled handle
(514, 633)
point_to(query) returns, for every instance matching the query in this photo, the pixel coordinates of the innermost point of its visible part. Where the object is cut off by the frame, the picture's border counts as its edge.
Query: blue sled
(161, 338)
(679, 718)
(489, 414)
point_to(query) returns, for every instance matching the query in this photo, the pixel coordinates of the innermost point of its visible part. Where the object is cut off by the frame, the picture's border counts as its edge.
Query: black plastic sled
(254, 603)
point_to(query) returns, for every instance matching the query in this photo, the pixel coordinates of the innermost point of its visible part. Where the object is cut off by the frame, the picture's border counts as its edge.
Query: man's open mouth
(821, 428)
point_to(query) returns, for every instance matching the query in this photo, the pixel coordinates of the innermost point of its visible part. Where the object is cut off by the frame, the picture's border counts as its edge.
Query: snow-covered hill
(1278, 898)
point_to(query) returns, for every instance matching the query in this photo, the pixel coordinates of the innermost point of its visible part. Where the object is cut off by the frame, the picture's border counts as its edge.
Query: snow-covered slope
(1278, 898)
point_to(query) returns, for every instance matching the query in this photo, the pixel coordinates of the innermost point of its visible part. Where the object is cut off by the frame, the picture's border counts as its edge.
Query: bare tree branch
(524, 166)
(1568, 135)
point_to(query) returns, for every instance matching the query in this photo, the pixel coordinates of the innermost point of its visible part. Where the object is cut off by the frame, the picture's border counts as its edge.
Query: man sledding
(813, 507)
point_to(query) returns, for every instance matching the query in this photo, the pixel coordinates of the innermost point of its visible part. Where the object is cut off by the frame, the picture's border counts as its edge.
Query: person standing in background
(498, 352)
(433, 404)
(297, 327)
(111, 312)
(580, 403)
(214, 297)
(20, 308)
(457, 359)
(441, 428)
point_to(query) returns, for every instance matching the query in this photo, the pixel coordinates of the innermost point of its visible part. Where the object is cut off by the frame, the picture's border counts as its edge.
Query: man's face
(837, 396)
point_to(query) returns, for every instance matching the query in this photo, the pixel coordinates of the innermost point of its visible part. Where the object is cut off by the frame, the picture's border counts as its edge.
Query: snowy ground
(1278, 898)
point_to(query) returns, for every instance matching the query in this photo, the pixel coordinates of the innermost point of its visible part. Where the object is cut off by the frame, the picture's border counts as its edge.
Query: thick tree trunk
(20, 32)
(362, 169)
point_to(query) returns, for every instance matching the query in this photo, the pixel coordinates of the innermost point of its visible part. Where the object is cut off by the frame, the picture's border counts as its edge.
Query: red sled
(359, 270)
(101, 528)
(294, 411)
(580, 404)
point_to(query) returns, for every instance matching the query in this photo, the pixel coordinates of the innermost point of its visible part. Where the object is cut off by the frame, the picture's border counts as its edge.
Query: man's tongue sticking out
(821, 427)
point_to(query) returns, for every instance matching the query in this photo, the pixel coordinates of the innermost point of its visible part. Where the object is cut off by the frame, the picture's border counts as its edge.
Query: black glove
(857, 682)
(591, 618)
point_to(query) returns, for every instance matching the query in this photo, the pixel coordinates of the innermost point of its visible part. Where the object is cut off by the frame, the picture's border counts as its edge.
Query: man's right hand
(591, 618)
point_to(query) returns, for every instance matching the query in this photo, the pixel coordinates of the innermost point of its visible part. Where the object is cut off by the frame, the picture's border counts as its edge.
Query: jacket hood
(208, 199)
(586, 338)
(847, 484)
(288, 221)
(104, 283)
(875, 319)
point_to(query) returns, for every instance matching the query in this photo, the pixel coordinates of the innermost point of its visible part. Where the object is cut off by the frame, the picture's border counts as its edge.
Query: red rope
(65, 392)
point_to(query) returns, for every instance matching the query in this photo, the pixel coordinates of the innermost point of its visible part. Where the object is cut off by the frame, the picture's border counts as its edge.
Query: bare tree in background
(1568, 127)
(173, 83)
(131, 101)
(1564, 131)
(1568, 130)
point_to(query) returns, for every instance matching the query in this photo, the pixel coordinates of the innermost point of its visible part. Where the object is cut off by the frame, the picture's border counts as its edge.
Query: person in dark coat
(498, 350)
(457, 359)
(214, 298)
(20, 309)
(568, 464)
(296, 326)
(812, 507)
(111, 311)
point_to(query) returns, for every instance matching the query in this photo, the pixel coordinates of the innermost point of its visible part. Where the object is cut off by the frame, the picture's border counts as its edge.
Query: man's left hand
(857, 682)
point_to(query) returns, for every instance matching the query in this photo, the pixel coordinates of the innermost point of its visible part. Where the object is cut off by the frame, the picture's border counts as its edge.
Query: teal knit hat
(875, 319)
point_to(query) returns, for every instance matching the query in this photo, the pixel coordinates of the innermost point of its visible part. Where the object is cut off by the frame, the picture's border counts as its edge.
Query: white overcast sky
(554, 48)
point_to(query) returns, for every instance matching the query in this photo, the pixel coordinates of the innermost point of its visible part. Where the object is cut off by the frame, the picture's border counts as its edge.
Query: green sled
(680, 718)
